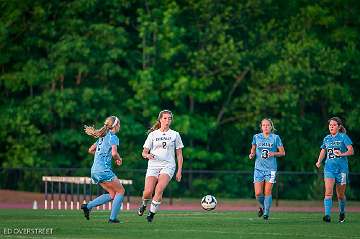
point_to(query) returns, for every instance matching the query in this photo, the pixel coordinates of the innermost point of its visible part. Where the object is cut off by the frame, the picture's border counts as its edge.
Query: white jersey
(162, 145)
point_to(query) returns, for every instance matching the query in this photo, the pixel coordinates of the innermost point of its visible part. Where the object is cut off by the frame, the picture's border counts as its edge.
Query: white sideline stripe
(78, 180)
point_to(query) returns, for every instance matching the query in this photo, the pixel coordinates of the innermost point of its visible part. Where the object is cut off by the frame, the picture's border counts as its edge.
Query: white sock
(154, 206)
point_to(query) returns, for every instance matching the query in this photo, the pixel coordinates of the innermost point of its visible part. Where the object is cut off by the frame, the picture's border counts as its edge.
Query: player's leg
(267, 199)
(340, 192)
(163, 181)
(104, 198)
(119, 190)
(329, 188)
(259, 190)
(150, 183)
(270, 177)
(259, 195)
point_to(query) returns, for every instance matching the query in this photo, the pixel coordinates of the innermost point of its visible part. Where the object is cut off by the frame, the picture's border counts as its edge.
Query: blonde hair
(271, 124)
(340, 124)
(109, 123)
(157, 125)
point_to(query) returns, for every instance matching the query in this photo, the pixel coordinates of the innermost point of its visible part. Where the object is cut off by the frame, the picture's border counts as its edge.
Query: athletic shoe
(114, 221)
(342, 217)
(150, 216)
(141, 210)
(326, 218)
(86, 211)
(260, 212)
(266, 217)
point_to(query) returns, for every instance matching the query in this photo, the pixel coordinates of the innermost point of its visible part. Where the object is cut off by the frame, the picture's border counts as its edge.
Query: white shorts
(156, 171)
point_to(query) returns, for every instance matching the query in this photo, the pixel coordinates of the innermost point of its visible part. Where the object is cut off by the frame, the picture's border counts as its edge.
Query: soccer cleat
(326, 218)
(266, 217)
(260, 212)
(342, 217)
(113, 221)
(86, 211)
(150, 216)
(141, 210)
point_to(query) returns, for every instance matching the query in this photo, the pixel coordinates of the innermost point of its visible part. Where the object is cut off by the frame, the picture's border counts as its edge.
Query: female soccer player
(265, 146)
(336, 146)
(104, 149)
(159, 150)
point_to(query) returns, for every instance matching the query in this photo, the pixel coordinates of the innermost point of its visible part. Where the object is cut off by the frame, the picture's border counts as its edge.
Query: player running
(266, 146)
(104, 149)
(159, 150)
(336, 146)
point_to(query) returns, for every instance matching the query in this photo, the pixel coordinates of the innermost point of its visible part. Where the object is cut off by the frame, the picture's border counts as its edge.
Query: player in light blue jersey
(336, 147)
(266, 146)
(104, 149)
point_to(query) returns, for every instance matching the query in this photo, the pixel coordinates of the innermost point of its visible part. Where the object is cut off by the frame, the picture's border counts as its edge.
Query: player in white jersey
(159, 149)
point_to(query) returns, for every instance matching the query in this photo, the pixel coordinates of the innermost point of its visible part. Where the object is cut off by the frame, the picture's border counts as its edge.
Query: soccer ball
(208, 202)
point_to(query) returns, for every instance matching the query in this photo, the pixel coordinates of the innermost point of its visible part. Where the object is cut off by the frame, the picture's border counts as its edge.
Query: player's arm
(279, 153)
(146, 154)
(252, 151)
(92, 149)
(321, 157)
(349, 152)
(180, 160)
(116, 155)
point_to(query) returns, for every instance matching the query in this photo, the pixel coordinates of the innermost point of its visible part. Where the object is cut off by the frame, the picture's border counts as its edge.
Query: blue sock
(99, 201)
(267, 204)
(327, 206)
(260, 199)
(116, 206)
(342, 205)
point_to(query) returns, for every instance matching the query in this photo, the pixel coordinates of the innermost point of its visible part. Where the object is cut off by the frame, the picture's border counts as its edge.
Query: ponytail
(109, 123)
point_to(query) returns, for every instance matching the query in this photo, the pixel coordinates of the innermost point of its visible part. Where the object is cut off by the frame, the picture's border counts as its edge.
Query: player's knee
(328, 194)
(120, 191)
(147, 194)
(112, 194)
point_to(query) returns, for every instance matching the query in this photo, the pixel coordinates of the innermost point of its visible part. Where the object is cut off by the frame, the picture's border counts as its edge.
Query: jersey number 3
(264, 153)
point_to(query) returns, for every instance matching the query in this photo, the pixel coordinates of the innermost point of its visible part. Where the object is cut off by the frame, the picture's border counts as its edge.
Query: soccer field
(177, 224)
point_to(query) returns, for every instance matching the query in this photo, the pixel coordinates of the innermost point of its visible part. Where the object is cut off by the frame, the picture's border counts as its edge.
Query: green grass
(179, 224)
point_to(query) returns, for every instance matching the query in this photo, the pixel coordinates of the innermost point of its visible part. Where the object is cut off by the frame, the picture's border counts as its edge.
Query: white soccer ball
(208, 202)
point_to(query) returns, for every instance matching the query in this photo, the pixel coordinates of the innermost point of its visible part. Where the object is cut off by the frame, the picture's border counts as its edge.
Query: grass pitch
(176, 225)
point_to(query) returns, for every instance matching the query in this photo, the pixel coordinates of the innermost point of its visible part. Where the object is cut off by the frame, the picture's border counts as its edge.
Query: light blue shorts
(340, 177)
(262, 175)
(104, 176)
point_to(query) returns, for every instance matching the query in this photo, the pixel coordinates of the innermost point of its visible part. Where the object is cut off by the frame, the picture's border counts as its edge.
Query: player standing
(336, 146)
(159, 149)
(266, 146)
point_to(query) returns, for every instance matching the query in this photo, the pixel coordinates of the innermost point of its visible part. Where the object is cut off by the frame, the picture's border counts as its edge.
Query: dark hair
(340, 124)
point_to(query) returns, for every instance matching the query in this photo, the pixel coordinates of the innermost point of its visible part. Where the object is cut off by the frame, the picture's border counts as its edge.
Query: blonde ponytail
(109, 123)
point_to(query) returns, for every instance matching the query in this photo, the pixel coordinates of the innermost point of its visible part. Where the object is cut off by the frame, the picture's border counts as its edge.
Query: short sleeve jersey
(263, 147)
(163, 145)
(102, 159)
(333, 163)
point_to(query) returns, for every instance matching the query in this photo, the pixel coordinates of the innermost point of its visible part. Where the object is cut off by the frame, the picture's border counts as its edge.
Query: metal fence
(194, 184)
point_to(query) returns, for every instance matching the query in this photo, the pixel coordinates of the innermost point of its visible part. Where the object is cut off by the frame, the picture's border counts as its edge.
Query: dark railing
(194, 184)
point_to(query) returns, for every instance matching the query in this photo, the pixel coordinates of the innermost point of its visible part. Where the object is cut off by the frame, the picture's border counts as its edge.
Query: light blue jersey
(333, 163)
(102, 159)
(263, 147)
